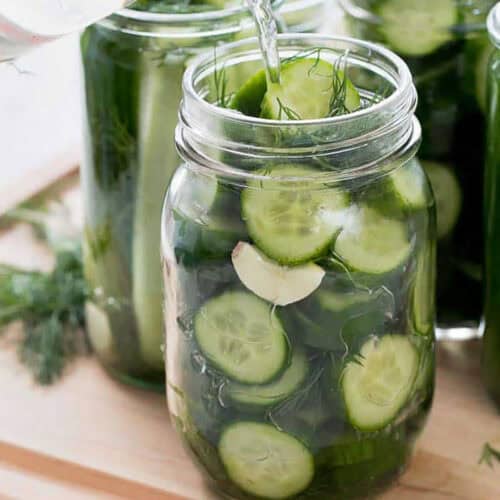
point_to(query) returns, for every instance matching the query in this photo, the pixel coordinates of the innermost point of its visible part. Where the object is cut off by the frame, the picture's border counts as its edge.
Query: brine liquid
(27, 23)
(267, 30)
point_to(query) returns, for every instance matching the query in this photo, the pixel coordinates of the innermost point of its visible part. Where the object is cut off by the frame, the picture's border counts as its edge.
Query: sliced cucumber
(249, 97)
(292, 225)
(424, 290)
(378, 383)
(410, 185)
(483, 53)
(194, 194)
(447, 194)
(241, 335)
(256, 397)
(309, 88)
(339, 320)
(417, 27)
(272, 282)
(159, 89)
(349, 449)
(208, 238)
(373, 243)
(264, 461)
(341, 301)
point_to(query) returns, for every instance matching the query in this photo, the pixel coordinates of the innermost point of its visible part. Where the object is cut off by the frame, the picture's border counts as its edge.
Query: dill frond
(339, 87)
(50, 306)
(489, 456)
(220, 84)
(285, 111)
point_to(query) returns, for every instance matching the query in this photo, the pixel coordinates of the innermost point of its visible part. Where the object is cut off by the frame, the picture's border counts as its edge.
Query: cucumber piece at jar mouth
(377, 386)
(241, 336)
(292, 224)
(416, 27)
(309, 88)
(265, 461)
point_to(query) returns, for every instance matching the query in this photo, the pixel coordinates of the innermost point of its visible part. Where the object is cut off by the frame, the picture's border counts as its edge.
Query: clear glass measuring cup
(28, 23)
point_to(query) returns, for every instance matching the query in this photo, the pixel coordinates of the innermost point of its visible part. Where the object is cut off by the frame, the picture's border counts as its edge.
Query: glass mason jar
(490, 363)
(133, 66)
(298, 260)
(445, 44)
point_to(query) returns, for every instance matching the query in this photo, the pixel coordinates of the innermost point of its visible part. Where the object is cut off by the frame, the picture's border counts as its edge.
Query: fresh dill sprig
(339, 87)
(50, 306)
(220, 83)
(285, 111)
(489, 455)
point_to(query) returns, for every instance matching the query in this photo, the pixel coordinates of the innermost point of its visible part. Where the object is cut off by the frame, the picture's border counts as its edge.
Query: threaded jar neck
(367, 140)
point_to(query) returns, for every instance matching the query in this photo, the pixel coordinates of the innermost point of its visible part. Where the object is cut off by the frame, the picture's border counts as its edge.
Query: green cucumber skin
(160, 90)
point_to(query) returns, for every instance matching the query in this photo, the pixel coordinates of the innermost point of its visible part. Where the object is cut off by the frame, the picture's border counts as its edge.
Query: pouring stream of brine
(27, 23)
(267, 30)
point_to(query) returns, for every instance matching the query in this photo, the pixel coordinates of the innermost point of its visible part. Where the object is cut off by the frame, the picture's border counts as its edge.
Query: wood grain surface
(91, 437)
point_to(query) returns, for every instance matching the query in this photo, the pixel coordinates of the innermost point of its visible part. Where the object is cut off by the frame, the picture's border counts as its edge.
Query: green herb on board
(50, 306)
(489, 455)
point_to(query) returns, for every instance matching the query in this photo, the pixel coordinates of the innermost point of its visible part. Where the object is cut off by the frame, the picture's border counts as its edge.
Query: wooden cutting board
(89, 437)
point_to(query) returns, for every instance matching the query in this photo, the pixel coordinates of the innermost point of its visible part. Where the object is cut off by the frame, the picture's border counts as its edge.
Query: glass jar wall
(444, 42)
(133, 65)
(298, 260)
(491, 340)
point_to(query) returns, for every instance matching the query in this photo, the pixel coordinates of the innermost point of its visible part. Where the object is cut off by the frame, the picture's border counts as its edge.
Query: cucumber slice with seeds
(417, 27)
(373, 243)
(410, 185)
(309, 88)
(241, 335)
(378, 383)
(264, 461)
(292, 226)
(257, 397)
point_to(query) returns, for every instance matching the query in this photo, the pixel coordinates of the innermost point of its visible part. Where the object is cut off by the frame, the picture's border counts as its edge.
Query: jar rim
(208, 15)
(364, 14)
(395, 115)
(405, 83)
(494, 25)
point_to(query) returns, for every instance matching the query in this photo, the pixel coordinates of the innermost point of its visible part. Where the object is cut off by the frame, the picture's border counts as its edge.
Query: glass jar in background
(490, 363)
(291, 251)
(133, 65)
(444, 42)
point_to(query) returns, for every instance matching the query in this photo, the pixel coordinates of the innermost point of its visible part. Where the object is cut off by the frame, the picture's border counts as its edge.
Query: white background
(40, 110)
